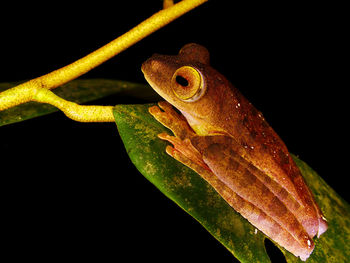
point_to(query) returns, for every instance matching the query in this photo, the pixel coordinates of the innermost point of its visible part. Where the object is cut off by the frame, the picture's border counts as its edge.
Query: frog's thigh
(249, 211)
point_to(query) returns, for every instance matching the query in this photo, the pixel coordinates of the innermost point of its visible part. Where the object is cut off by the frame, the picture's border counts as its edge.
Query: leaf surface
(187, 189)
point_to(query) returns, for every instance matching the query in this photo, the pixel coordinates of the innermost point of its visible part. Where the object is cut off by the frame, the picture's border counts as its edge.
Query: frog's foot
(167, 116)
(183, 149)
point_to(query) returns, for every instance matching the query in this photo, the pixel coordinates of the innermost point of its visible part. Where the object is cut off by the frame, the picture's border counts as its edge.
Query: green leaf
(187, 189)
(79, 91)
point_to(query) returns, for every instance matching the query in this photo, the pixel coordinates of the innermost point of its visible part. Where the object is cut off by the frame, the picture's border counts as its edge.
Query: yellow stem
(38, 89)
(94, 59)
(23, 93)
(82, 113)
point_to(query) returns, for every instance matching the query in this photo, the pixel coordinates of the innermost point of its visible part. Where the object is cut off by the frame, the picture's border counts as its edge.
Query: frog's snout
(151, 65)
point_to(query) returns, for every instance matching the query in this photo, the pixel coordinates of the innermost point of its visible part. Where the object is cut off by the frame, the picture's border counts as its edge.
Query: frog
(220, 135)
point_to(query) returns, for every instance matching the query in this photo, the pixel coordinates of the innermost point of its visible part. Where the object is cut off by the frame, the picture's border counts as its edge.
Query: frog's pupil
(181, 81)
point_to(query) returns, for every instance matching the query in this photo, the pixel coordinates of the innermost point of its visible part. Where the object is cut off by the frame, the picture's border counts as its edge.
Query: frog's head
(189, 83)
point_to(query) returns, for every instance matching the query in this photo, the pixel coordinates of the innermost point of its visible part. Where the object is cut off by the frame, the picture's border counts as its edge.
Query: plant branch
(28, 91)
(74, 111)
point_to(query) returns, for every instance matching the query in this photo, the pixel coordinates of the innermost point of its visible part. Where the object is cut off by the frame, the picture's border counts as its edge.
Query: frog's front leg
(182, 147)
(174, 121)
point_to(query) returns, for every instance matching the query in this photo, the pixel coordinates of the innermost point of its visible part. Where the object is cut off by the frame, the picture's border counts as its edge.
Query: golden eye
(188, 84)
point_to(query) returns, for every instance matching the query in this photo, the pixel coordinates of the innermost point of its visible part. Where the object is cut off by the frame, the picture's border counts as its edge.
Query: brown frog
(221, 136)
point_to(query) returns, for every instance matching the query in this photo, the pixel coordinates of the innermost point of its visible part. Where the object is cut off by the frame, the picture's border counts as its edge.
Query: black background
(69, 189)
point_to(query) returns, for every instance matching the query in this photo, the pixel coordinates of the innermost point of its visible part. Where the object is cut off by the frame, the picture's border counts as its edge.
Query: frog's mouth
(152, 70)
(158, 71)
(153, 79)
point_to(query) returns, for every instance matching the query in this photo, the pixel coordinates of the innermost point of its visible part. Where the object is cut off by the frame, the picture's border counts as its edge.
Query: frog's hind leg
(248, 210)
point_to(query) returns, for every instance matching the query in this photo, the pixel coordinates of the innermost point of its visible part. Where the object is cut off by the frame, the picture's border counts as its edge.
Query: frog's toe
(177, 155)
(154, 110)
(172, 139)
(166, 106)
(169, 109)
(170, 150)
(164, 136)
(161, 116)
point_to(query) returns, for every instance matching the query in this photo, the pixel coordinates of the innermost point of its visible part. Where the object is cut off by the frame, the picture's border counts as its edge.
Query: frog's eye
(188, 84)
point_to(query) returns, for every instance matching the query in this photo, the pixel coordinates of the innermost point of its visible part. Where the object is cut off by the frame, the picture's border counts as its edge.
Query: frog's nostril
(143, 67)
(151, 65)
(155, 65)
